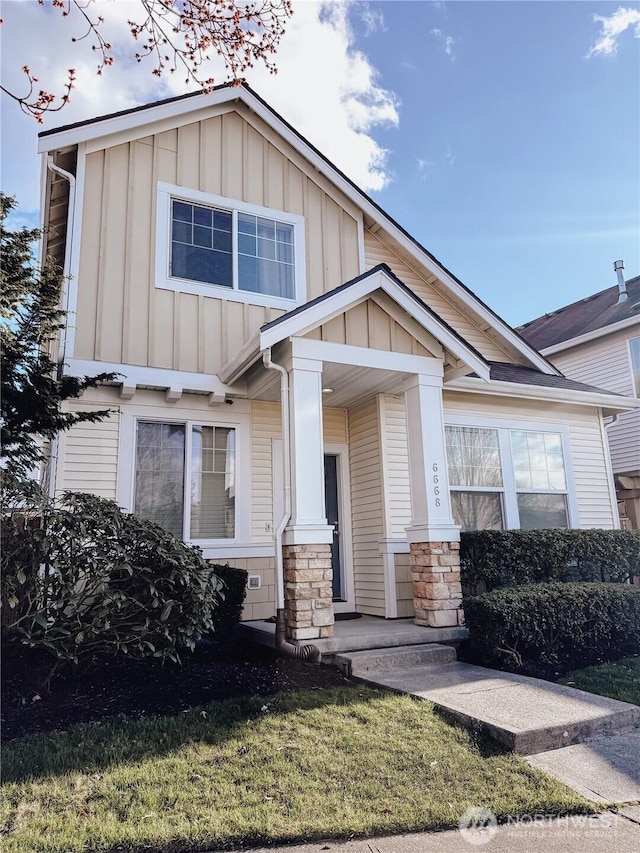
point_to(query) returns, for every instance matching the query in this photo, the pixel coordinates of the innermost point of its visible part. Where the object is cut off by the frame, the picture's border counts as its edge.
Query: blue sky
(505, 136)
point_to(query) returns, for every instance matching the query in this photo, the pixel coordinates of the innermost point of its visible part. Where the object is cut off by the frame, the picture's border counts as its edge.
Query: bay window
(503, 477)
(185, 478)
(215, 246)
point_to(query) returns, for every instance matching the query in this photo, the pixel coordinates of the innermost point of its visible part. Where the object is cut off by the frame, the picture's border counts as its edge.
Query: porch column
(307, 538)
(434, 537)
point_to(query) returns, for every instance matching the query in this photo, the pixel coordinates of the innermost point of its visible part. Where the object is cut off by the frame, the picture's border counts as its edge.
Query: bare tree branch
(172, 34)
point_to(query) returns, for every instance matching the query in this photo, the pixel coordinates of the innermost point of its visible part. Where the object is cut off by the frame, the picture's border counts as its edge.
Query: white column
(308, 524)
(431, 518)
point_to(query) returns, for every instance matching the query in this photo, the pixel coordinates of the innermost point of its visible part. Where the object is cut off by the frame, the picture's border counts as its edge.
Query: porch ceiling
(350, 385)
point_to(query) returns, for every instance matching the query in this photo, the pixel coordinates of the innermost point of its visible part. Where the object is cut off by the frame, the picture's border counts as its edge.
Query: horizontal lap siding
(606, 364)
(265, 426)
(593, 495)
(88, 455)
(122, 316)
(366, 507)
(432, 293)
(396, 467)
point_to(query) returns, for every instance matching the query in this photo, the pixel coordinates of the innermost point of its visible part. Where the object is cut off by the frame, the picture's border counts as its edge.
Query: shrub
(229, 610)
(490, 559)
(81, 577)
(554, 624)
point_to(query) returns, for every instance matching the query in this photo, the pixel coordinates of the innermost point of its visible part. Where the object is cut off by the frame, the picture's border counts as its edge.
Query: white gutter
(53, 450)
(609, 403)
(284, 403)
(592, 336)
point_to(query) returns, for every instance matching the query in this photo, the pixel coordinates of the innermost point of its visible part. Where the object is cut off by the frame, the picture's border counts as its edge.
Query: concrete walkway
(607, 832)
(589, 742)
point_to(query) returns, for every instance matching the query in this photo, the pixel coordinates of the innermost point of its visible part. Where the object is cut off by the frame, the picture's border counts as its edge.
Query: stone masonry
(308, 604)
(437, 594)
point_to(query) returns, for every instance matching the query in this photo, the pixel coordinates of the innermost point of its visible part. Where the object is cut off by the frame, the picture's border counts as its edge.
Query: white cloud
(373, 20)
(446, 41)
(425, 168)
(325, 87)
(612, 28)
(449, 156)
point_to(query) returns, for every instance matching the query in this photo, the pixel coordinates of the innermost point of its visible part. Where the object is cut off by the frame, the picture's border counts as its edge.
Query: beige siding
(588, 454)
(395, 461)
(259, 603)
(366, 507)
(88, 455)
(369, 325)
(432, 293)
(265, 426)
(334, 424)
(606, 363)
(122, 316)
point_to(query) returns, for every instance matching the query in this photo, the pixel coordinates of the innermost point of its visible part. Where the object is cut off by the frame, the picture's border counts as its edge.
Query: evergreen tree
(33, 388)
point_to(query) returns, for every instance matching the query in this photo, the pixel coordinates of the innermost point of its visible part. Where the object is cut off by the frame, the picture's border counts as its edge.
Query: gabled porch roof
(381, 285)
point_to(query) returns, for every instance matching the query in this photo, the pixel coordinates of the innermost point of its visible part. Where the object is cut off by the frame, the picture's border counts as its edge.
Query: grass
(317, 764)
(618, 679)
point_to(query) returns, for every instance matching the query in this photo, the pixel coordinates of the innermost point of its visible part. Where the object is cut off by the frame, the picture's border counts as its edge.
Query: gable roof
(597, 312)
(163, 114)
(299, 321)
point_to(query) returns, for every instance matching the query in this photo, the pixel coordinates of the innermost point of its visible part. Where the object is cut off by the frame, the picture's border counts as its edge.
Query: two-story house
(597, 340)
(304, 391)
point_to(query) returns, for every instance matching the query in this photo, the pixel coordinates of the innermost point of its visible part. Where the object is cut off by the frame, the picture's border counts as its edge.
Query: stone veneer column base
(308, 604)
(437, 594)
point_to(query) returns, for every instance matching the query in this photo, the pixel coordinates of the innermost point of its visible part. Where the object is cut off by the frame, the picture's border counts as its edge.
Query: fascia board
(610, 403)
(188, 110)
(247, 357)
(98, 132)
(310, 318)
(627, 323)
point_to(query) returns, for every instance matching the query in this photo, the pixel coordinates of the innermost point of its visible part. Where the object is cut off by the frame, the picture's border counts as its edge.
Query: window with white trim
(220, 247)
(185, 478)
(503, 477)
(634, 347)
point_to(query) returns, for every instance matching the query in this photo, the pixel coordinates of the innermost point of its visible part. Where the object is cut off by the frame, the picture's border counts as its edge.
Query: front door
(332, 502)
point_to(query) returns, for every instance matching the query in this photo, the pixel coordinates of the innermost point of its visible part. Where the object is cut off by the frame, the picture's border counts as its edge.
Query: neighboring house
(296, 369)
(597, 340)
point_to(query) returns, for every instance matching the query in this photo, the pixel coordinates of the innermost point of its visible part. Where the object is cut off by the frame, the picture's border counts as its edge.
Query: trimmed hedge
(552, 624)
(227, 614)
(490, 559)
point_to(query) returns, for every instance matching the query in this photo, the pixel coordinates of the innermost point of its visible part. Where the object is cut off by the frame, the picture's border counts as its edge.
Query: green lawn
(335, 763)
(618, 679)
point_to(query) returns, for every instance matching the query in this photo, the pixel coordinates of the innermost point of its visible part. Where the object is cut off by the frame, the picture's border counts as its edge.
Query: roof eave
(587, 337)
(610, 404)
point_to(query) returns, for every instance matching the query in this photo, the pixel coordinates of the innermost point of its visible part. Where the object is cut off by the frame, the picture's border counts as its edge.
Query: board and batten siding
(606, 363)
(367, 513)
(121, 316)
(428, 288)
(596, 505)
(88, 454)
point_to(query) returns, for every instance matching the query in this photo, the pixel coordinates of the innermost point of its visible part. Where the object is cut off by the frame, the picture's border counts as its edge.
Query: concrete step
(525, 714)
(359, 664)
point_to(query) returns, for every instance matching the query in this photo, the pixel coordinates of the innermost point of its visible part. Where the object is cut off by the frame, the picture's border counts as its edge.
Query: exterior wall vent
(254, 582)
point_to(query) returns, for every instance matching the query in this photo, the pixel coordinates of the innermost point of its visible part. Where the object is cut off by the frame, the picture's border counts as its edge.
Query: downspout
(53, 450)
(308, 651)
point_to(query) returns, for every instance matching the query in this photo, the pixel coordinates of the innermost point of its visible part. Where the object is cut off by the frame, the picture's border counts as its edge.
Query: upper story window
(507, 478)
(634, 346)
(218, 247)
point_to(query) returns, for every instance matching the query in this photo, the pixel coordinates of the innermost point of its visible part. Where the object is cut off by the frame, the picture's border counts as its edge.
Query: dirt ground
(110, 686)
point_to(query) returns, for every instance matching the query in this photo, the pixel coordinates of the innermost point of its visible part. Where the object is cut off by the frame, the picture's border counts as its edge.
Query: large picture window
(502, 478)
(185, 478)
(216, 246)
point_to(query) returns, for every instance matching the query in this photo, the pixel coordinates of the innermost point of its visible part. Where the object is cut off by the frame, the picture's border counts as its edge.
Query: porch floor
(367, 632)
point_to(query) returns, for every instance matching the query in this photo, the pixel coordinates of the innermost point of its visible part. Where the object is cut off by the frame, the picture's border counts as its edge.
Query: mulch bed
(110, 686)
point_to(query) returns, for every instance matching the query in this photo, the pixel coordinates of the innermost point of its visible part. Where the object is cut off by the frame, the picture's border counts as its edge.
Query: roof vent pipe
(618, 266)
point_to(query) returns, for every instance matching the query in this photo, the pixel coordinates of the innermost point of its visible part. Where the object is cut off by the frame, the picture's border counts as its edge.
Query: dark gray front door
(333, 517)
